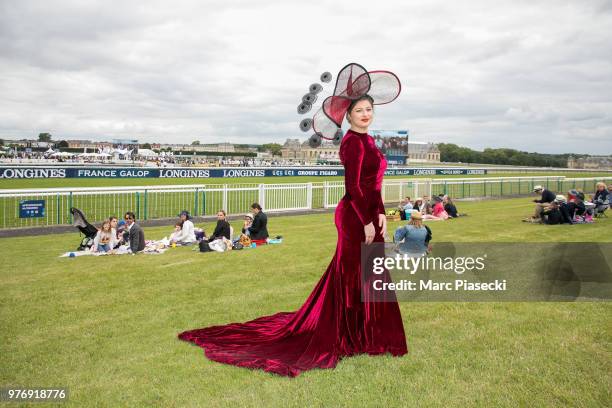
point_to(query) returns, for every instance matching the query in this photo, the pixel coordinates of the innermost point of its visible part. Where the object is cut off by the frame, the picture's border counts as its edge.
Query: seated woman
(601, 198)
(116, 230)
(438, 212)
(576, 203)
(105, 240)
(601, 194)
(222, 230)
(187, 235)
(258, 231)
(450, 208)
(413, 238)
(418, 205)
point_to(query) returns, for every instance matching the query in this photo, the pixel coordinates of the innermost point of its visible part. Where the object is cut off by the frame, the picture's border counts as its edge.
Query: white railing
(158, 202)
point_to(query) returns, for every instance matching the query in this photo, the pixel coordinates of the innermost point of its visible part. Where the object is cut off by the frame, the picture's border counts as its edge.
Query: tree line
(450, 152)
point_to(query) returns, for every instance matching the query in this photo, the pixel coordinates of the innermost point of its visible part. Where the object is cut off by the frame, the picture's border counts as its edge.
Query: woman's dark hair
(365, 97)
(256, 205)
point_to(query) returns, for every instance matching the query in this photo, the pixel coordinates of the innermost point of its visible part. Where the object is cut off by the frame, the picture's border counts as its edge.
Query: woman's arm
(400, 234)
(353, 151)
(96, 241)
(257, 224)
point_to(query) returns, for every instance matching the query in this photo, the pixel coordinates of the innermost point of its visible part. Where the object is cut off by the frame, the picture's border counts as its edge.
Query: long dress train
(334, 321)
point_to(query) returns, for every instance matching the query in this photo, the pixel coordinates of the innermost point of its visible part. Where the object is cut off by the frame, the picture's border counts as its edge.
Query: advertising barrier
(21, 172)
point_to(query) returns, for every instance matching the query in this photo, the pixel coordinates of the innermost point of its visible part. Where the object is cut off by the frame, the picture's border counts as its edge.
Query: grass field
(63, 183)
(106, 326)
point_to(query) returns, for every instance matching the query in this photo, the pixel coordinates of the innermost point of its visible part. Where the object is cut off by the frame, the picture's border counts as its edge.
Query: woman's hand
(369, 233)
(382, 223)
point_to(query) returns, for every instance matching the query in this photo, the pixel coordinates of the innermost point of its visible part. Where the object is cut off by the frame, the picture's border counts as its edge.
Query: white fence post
(325, 194)
(262, 195)
(225, 197)
(309, 196)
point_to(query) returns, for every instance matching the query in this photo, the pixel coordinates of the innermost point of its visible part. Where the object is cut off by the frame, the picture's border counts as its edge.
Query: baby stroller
(84, 227)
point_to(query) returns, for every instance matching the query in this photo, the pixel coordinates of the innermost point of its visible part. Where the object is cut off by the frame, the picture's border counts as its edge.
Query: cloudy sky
(534, 76)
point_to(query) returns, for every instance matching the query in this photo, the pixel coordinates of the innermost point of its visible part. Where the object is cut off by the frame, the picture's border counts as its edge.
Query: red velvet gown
(334, 321)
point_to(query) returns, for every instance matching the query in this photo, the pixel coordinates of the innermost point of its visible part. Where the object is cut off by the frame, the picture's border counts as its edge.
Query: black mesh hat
(353, 82)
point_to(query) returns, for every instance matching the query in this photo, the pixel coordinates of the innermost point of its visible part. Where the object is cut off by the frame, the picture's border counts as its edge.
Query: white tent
(50, 151)
(62, 154)
(146, 153)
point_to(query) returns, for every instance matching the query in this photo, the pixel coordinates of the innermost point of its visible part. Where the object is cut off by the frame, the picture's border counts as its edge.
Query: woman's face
(601, 188)
(361, 115)
(106, 226)
(113, 223)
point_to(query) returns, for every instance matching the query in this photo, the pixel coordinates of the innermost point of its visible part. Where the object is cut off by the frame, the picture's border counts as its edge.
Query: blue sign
(19, 172)
(31, 208)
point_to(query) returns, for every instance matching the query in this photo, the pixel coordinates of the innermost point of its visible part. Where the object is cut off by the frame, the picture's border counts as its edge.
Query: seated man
(136, 236)
(546, 198)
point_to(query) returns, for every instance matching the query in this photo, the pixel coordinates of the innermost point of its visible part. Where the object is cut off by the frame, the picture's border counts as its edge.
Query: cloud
(525, 75)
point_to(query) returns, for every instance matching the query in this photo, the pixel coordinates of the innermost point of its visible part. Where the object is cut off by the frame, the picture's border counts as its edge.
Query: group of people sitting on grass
(439, 208)
(553, 209)
(113, 234)
(126, 236)
(254, 232)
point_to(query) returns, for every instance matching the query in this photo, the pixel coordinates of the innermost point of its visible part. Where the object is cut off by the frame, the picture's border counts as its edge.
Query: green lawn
(106, 326)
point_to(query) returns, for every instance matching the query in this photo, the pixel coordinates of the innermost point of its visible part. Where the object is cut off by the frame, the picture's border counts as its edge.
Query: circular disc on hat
(306, 125)
(338, 137)
(310, 98)
(315, 88)
(314, 141)
(304, 107)
(326, 77)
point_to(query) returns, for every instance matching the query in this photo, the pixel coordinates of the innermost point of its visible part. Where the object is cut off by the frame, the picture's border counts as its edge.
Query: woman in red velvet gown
(335, 321)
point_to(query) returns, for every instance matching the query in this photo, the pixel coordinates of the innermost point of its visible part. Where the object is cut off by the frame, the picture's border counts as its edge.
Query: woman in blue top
(414, 237)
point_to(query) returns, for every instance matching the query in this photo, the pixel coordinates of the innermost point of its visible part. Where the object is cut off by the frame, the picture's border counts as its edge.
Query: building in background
(423, 152)
(591, 162)
(397, 150)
